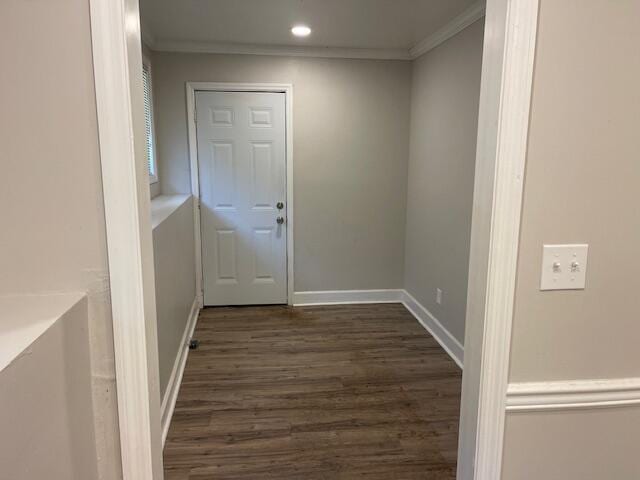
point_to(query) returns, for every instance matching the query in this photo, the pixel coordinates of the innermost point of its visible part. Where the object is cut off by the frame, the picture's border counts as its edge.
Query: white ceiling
(336, 24)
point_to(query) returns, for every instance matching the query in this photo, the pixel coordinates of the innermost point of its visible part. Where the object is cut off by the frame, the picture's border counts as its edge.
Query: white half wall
(46, 415)
(174, 261)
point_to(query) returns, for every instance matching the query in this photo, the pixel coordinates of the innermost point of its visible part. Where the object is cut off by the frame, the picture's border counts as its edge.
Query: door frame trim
(503, 133)
(509, 46)
(117, 68)
(287, 89)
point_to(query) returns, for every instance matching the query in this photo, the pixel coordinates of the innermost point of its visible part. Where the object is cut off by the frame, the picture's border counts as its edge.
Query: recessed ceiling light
(301, 31)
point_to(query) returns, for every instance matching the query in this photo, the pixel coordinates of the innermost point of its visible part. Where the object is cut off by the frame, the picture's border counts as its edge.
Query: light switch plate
(564, 267)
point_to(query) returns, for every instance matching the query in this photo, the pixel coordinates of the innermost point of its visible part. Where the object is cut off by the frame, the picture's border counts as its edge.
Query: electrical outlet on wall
(438, 296)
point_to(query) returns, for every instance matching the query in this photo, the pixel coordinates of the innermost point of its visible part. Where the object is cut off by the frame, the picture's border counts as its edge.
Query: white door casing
(141, 441)
(242, 178)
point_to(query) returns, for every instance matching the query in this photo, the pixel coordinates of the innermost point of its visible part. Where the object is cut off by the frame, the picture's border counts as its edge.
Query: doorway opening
(507, 63)
(241, 159)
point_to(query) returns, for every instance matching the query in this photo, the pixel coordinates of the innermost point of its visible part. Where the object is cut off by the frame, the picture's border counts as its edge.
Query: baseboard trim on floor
(171, 394)
(446, 340)
(343, 297)
(573, 394)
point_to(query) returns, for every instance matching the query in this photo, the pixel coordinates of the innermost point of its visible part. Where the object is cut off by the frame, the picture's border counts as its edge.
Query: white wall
(51, 204)
(444, 126)
(174, 261)
(581, 186)
(351, 124)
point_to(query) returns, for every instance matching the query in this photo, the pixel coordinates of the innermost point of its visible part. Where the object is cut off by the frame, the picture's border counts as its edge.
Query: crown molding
(455, 26)
(462, 21)
(148, 38)
(288, 51)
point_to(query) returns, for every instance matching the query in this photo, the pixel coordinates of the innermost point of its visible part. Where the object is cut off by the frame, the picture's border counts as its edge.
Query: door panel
(221, 175)
(263, 247)
(262, 180)
(242, 173)
(225, 246)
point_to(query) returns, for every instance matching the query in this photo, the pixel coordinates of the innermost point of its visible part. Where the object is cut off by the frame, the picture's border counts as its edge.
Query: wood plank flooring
(315, 393)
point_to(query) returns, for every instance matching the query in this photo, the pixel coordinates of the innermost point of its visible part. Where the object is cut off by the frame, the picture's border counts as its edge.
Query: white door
(242, 173)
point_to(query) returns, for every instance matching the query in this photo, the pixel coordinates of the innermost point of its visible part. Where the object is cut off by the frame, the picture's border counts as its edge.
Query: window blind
(148, 120)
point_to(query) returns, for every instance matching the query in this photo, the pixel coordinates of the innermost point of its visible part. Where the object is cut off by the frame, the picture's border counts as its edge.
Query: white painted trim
(576, 394)
(175, 380)
(195, 189)
(455, 26)
(446, 340)
(117, 61)
(343, 297)
(287, 89)
(505, 99)
(283, 50)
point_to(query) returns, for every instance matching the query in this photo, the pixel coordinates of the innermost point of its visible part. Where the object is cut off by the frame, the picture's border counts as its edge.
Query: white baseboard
(447, 341)
(573, 394)
(342, 297)
(426, 319)
(171, 394)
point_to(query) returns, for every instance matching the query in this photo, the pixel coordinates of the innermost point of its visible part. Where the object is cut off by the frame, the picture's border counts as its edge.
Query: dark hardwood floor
(332, 392)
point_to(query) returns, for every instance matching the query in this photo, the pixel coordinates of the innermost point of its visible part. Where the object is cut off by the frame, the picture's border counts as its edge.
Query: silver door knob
(280, 220)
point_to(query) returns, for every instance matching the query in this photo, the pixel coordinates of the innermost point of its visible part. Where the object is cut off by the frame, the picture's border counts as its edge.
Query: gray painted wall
(46, 416)
(351, 124)
(174, 261)
(53, 236)
(444, 127)
(581, 185)
(573, 445)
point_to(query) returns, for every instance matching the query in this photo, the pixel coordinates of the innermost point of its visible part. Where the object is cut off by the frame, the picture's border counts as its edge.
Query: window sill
(163, 206)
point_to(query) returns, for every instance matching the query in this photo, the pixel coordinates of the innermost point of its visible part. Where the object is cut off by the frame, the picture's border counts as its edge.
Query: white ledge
(163, 206)
(24, 318)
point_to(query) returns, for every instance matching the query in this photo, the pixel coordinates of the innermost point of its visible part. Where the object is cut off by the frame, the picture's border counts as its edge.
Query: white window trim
(146, 63)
